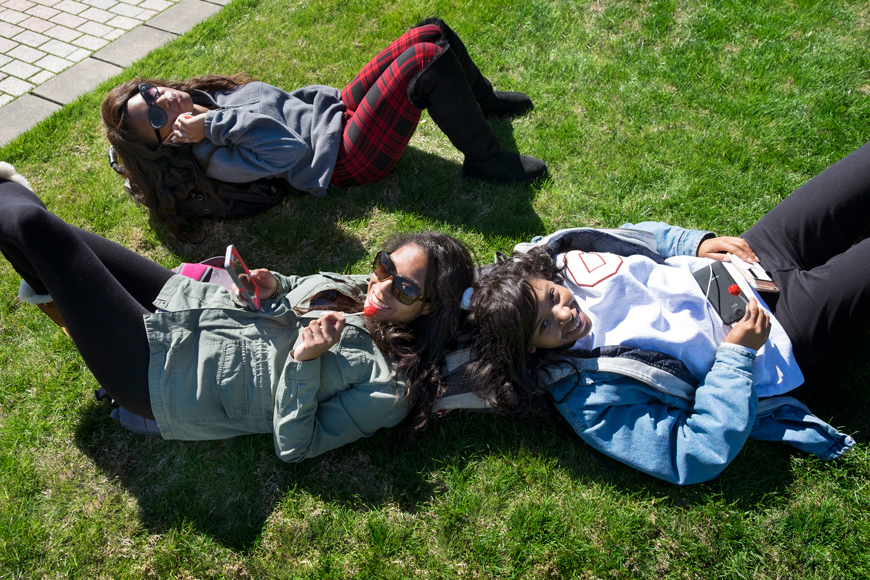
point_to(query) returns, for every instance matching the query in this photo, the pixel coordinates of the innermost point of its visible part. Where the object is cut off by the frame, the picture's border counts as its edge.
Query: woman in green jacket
(308, 367)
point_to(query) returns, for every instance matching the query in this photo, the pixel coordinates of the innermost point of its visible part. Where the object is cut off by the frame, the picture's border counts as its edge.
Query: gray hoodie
(258, 131)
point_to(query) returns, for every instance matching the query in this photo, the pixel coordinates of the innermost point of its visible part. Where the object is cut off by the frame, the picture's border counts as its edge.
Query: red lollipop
(734, 290)
(370, 311)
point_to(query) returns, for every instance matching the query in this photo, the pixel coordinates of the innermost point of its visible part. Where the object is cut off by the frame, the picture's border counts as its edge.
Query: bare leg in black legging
(101, 288)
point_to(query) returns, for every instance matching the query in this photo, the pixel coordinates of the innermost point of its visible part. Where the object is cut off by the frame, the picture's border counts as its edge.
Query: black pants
(808, 243)
(101, 288)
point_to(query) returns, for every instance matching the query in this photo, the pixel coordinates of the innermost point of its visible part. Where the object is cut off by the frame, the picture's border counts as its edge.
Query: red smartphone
(233, 262)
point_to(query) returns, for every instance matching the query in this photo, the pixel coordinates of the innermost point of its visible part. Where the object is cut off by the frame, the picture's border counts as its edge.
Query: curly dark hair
(163, 179)
(417, 349)
(503, 313)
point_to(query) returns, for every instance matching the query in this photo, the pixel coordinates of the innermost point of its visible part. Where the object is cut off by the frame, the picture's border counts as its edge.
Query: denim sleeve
(788, 420)
(681, 445)
(250, 145)
(672, 240)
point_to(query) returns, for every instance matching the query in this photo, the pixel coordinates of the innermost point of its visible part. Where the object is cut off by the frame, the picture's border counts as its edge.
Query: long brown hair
(417, 349)
(164, 179)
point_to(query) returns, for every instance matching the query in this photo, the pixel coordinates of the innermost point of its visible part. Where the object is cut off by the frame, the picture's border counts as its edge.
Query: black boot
(443, 89)
(492, 103)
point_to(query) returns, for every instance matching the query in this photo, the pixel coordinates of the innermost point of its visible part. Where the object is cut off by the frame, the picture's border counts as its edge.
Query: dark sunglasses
(156, 116)
(406, 291)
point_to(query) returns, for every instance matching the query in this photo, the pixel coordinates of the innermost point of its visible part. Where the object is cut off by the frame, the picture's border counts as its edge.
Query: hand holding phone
(755, 275)
(232, 262)
(753, 330)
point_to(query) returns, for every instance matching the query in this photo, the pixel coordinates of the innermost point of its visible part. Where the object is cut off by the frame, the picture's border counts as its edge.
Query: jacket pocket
(211, 383)
(234, 379)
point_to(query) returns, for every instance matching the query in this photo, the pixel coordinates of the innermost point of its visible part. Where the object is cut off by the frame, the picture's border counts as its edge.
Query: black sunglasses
(156, 116)
(405, 290)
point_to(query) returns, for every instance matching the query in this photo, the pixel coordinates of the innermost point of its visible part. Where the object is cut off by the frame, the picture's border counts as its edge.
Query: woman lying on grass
(621, 338)
(306, 367)
(184, 144)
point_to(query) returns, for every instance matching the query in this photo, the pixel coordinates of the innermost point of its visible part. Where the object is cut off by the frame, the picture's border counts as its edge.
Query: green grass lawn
(702, 114)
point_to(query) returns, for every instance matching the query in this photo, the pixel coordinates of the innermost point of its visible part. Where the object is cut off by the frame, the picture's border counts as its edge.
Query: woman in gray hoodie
(186, 145)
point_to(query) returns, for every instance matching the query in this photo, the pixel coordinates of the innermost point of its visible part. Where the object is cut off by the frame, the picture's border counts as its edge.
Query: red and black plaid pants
(380, 120)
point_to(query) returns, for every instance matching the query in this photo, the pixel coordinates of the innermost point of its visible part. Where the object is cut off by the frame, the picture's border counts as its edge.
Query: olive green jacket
(217, 370)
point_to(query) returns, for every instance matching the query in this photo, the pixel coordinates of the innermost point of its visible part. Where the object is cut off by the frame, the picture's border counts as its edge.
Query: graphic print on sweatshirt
(634, 301)
(588, 270)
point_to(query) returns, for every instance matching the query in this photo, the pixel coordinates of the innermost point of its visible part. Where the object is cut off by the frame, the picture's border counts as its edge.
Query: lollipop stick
(734, 290)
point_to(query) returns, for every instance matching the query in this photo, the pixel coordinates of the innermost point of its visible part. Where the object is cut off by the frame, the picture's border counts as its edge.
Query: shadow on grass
(227, 490)
(837, 390)
(308, 234)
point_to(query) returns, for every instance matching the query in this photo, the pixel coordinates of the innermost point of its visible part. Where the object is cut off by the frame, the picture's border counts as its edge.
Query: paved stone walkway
(53, 51)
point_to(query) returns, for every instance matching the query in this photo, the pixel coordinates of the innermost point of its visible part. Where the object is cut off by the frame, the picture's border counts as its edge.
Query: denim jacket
(646, 410)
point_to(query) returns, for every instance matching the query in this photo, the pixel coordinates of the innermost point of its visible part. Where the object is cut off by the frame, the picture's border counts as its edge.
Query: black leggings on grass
(101, 288)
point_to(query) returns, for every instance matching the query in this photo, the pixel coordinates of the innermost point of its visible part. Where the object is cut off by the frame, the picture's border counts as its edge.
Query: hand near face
(319, 336)
(753, 329)
(716, 248)
(188, 128)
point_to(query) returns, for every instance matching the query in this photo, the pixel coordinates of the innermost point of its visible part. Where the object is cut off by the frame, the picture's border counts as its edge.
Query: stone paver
(71, 7)
(58, 48)
(90, 42)
(76, 81)
(68, 20)
(30, 38)
(20, 5)
(9, 30)
(134, 45)
(53, 51)
(94, 29)
(12, 16)
(23, 114)
(62, 33)
(6, 45)
(35, 24)
(15, 87)
(25, 53)
(43, 12)
(53, 64)
(41, 77)
(183, 16)
(19, 69)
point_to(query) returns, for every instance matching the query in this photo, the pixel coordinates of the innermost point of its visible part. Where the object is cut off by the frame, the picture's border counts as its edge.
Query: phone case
(730, 308)
(232, 257)
(757, 277)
